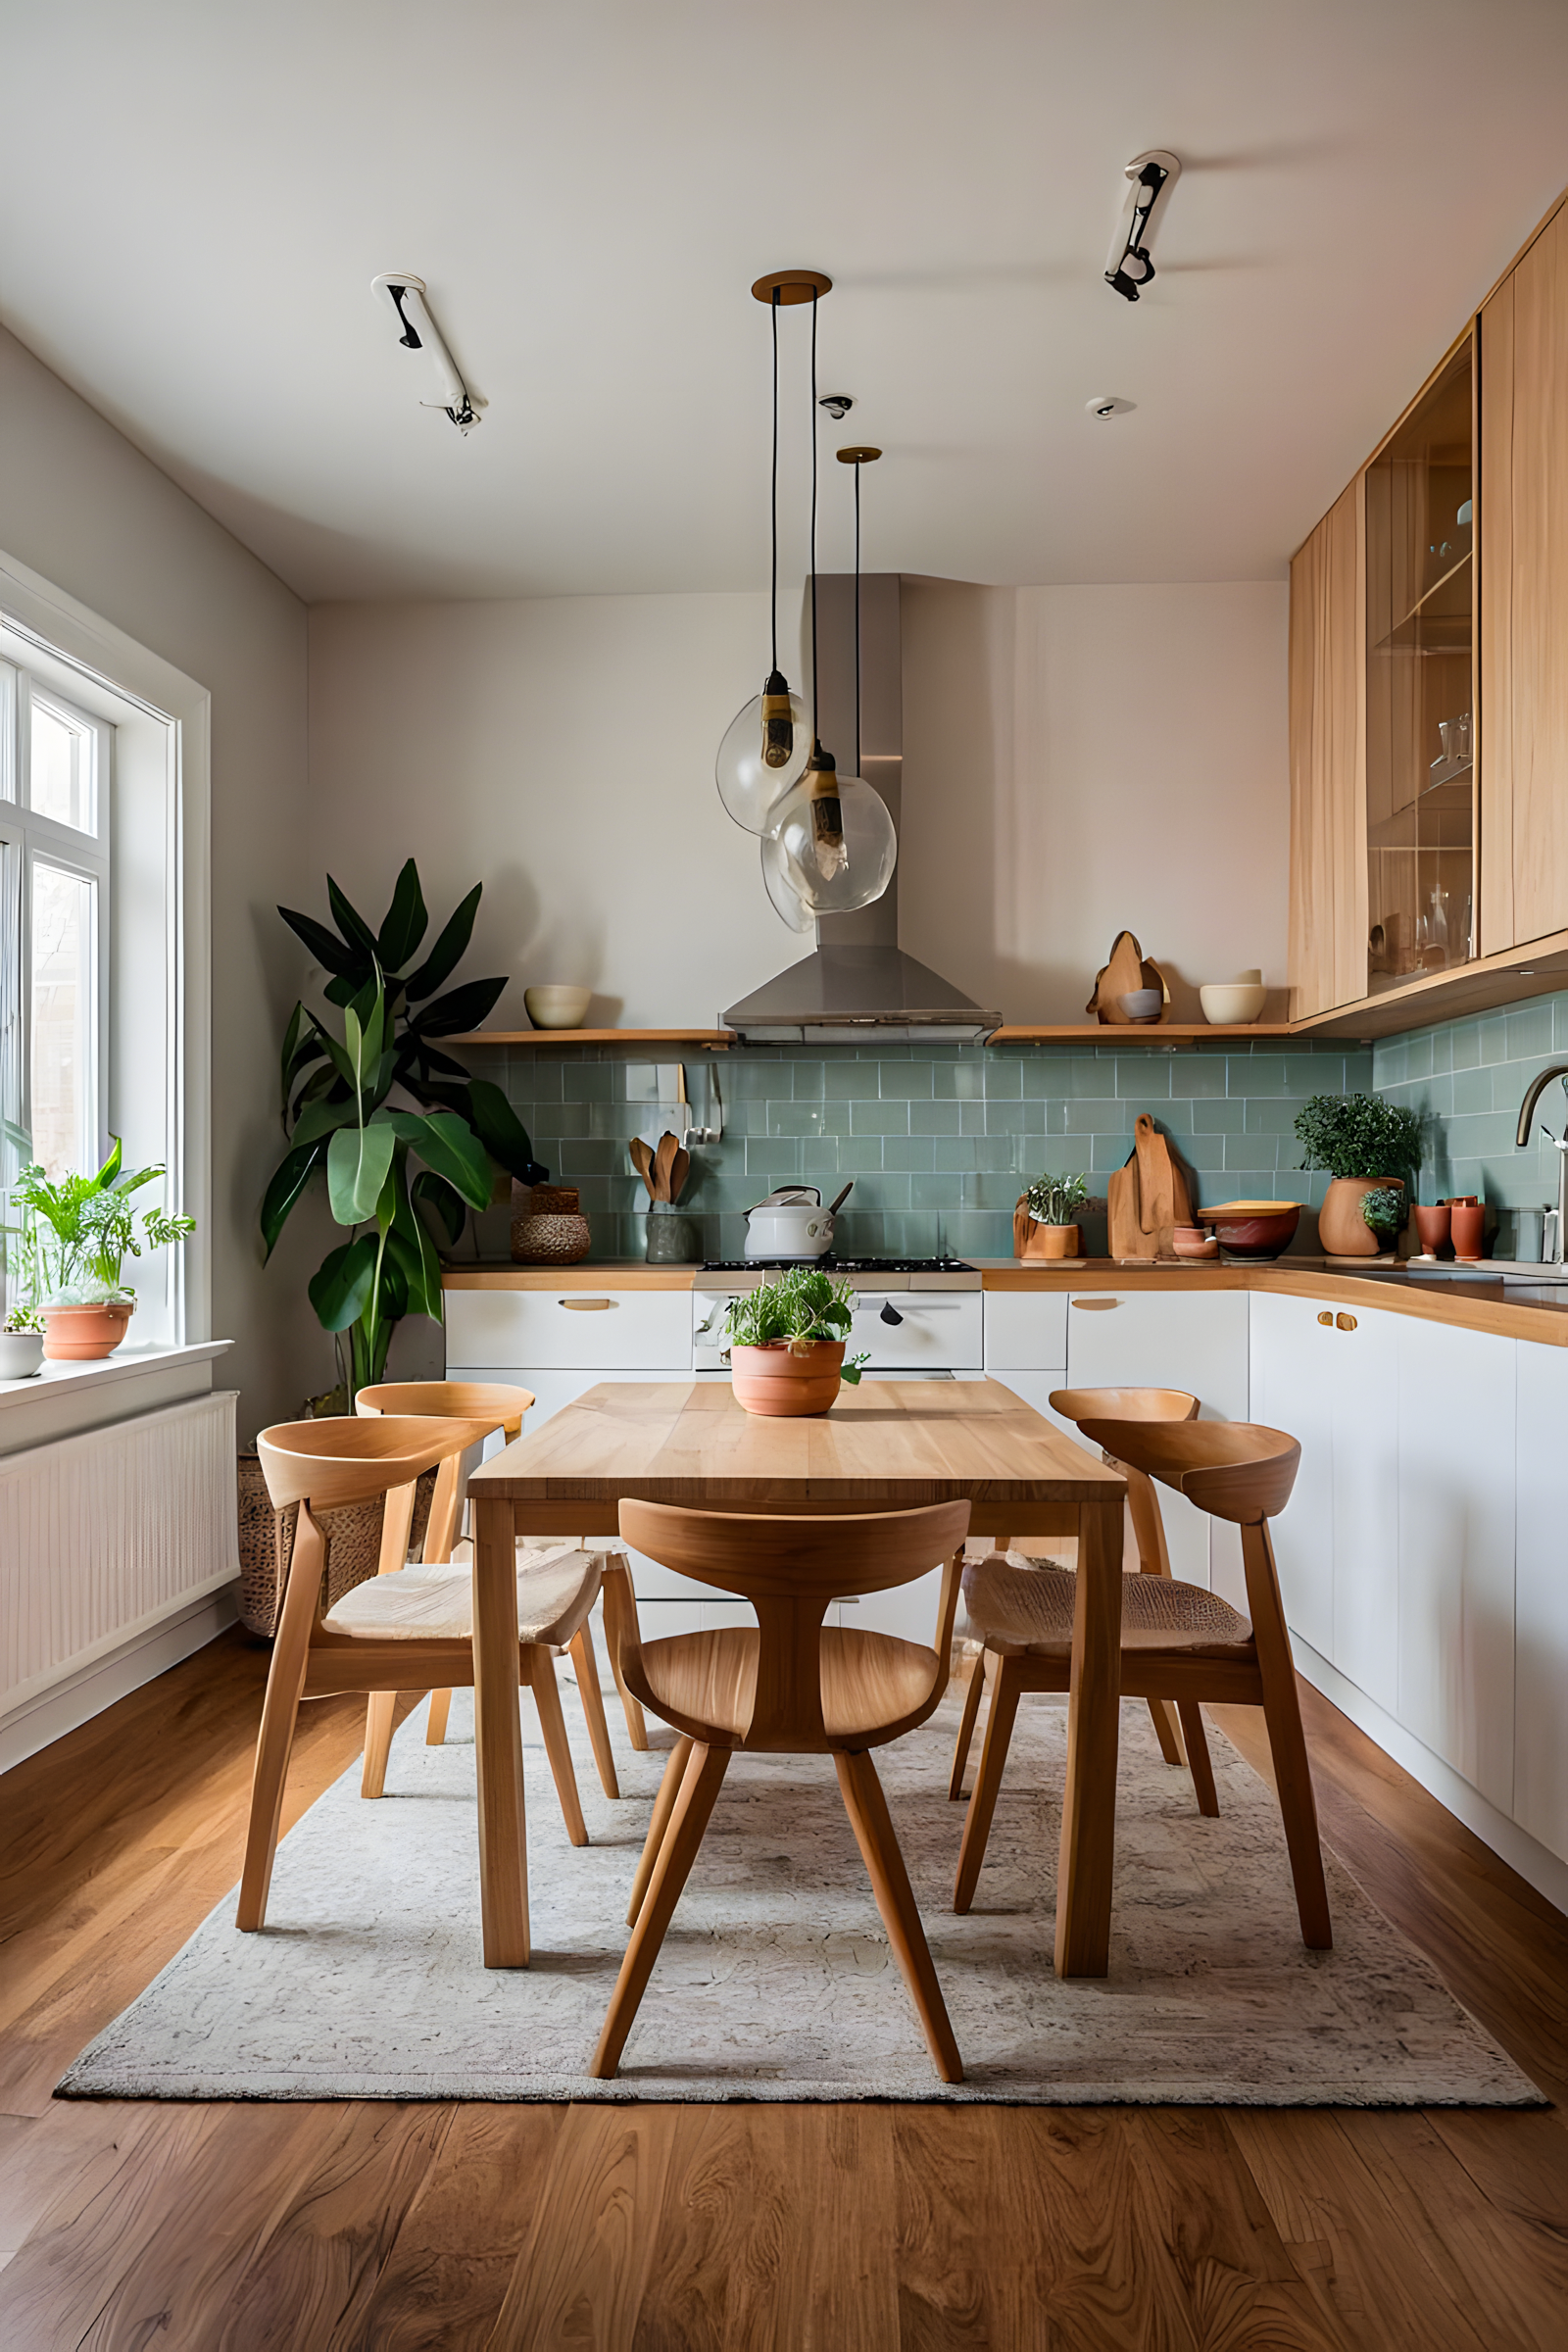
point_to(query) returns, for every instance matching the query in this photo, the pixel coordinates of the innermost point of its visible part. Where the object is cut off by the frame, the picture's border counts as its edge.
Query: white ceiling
(197, 195)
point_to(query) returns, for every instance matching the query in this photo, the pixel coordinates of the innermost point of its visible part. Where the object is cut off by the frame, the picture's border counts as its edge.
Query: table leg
(498, 1734)
(1088, 1801)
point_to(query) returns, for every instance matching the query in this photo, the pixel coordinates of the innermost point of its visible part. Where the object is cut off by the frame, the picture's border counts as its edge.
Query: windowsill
(63, 1400)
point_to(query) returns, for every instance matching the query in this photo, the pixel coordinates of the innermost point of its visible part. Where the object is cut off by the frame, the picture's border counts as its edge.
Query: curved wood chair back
(790, 1569)
(1123, 1404)
(495, 1402)
(348, 1460)
(1236, 1470)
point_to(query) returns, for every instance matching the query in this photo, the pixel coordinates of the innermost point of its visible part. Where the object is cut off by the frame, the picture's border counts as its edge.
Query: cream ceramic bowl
(558, 1007)
(1229, 1002)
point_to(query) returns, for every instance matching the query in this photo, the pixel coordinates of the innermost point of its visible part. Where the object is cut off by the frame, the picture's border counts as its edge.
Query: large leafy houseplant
(407, 1141)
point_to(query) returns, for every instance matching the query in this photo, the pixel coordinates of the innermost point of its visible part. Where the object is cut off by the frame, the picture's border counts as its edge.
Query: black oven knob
(889, 1313)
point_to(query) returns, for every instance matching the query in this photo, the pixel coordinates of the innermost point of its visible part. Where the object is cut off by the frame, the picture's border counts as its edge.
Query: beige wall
(1080, 761)
(83, 507)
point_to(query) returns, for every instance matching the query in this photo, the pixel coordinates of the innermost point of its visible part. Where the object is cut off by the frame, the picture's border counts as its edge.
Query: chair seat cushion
(555, 1589)
(1032, 1609)
(870, 1681)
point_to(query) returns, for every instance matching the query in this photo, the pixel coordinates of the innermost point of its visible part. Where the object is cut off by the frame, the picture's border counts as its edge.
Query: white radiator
(103, 1534)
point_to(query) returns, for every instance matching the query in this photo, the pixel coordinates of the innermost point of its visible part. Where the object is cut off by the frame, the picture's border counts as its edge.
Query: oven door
(918, 1331)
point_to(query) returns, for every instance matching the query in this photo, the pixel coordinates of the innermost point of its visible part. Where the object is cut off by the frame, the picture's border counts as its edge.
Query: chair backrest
(349, 1460)
(790, 1569)
(1236, 1470)
(1123, 1404)
(495, 1402)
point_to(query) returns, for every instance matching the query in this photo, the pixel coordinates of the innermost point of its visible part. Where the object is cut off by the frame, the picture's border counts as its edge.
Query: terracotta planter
(80, 1335)
(1050, 1241)
(1432, 1225)
(1467, 1218)
(773, 1381)
(1341, 1227)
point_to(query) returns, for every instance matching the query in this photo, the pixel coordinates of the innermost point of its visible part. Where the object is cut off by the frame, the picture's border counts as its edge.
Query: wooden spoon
(680, 1167)
(642, 1159)
(664, 1161)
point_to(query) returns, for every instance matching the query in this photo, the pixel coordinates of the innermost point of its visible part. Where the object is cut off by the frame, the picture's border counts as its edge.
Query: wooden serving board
(1148, 1199)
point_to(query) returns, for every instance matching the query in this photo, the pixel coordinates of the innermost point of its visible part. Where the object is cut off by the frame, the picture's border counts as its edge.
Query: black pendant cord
(815, 735)
(773, 665)
(858, 770)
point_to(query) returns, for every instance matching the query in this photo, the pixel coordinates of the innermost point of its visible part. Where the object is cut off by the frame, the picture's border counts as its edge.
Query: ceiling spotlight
(419, 331)
(1153, 176)
(1105, 404)
(837, 404)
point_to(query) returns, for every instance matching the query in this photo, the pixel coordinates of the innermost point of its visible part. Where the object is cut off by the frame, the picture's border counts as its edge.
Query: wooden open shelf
(1134, 1033)
(710, 1040)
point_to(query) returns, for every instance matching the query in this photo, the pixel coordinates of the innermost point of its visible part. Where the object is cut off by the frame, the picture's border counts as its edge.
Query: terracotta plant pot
(771, 1381)
(1050, 1241)
(1341, 1227)
(80, 1335)
(1432, 1225)
(1467, 1218)
(1191, 1241)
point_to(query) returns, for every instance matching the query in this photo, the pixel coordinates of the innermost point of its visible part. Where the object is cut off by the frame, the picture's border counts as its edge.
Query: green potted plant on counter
(407, 1143)
(1044, 1222)
(77, 1234)
(1366, 1145)
(787, 1341)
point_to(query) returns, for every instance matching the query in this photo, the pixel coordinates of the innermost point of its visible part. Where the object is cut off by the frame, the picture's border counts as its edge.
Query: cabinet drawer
(648, 1331)
(1025, 1332)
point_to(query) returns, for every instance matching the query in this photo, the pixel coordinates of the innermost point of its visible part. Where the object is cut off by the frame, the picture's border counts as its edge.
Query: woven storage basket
(267, 1544)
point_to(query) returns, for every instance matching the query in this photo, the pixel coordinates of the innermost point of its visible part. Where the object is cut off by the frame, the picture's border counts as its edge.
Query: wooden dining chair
(408, 1629)
(502, 1407)
(1179, 1640)
(788, 1685)
(1170, 1721)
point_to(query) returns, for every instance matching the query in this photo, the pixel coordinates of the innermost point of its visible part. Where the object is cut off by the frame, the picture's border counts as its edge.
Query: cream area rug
(775, 1980)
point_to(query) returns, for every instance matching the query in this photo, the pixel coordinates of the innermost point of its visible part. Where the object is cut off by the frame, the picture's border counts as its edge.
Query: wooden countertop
(1495, 1306)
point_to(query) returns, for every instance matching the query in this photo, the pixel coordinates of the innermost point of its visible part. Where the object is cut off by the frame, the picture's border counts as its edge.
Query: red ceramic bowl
(1253, 1229)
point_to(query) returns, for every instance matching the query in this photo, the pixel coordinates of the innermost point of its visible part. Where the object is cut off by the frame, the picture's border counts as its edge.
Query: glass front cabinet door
(1420, 686)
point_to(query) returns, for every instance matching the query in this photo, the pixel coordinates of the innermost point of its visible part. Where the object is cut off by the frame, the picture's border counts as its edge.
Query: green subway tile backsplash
(1467, 1079)
(940, 1140)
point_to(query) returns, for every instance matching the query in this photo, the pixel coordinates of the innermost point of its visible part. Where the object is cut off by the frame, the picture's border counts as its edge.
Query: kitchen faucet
(1527, 1112)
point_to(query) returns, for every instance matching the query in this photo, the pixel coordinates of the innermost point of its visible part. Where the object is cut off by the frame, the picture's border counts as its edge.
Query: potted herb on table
(1042, 1224)
(787, 1340)
(1368, 1147)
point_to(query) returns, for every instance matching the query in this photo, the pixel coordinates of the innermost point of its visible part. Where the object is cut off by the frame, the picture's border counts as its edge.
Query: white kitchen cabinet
(1025, 1330)
(1295, 1362)
(1540, 1645)
(1194, 1340)
(571, 1328)
(1457, 1550)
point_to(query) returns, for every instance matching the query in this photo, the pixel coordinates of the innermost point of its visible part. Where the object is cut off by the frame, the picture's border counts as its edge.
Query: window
(55, 798)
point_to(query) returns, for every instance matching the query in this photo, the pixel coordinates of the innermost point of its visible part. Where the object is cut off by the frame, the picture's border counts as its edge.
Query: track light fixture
(1153, 176)
(419, 331)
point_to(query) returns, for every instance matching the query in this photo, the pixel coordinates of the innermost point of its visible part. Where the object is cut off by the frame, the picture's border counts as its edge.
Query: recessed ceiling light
(1106, 404)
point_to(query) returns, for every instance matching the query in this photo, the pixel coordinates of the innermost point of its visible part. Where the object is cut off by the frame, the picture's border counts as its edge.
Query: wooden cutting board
(1148, 1199)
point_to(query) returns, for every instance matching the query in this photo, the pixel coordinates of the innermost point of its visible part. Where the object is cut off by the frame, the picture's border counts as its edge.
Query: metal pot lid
(790, 1195)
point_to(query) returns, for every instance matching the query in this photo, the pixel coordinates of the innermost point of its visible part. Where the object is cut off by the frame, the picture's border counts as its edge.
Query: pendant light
(830, 839)
(766, 745)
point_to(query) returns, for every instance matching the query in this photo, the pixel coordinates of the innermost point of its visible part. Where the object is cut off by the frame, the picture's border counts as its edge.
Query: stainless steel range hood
(859, 984)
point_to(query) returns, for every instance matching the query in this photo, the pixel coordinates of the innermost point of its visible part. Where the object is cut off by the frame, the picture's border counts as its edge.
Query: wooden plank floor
(227, 2227)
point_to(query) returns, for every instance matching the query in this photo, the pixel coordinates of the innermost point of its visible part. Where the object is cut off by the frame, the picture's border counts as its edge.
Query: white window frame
(26, 838)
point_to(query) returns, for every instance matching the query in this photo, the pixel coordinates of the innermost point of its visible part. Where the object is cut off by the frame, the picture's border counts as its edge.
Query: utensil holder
(673, 1239)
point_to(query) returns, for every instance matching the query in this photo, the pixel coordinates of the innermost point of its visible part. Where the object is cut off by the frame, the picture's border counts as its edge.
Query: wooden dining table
(886, 1446)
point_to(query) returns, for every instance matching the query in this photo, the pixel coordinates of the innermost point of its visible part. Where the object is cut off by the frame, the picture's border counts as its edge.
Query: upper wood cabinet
(1328, 765)
(1524, 597)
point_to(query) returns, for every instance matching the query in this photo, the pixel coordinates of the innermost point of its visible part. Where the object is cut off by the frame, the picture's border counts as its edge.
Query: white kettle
(793, 1223)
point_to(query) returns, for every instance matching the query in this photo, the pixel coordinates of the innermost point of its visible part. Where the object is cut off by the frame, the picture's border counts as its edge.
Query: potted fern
(1042, 1224)
(787, 1341)
(78, 1232)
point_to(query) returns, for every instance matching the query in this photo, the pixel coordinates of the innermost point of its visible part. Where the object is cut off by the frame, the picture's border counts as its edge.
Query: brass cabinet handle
(585, 1307)
(1327, 1316)
(1345, 1322)
(1095, 1306)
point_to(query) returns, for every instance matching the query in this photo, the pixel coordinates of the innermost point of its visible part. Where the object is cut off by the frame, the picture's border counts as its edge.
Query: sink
(1491, 1270)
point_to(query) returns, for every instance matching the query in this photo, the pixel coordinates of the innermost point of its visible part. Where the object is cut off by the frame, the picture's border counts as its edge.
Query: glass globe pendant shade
(763, 751)
(791, 909)
(831, 841)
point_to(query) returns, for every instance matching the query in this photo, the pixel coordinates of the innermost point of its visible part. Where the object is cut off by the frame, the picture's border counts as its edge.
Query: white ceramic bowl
(21, 1354)
(1144, 1003)
(1229, 1002)
(557, 1007)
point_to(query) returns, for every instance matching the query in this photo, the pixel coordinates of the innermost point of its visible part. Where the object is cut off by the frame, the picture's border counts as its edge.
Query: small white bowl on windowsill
(21, 1354)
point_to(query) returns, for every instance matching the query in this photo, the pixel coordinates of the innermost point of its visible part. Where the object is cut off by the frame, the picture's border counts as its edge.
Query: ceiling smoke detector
(1106, 404)
(837, 404)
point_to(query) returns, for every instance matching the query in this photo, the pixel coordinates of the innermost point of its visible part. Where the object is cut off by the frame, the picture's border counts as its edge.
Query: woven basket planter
(267, 1545)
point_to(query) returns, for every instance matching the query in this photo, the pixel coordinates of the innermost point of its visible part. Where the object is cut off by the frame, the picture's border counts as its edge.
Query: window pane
(61, 777)
(64, 1121)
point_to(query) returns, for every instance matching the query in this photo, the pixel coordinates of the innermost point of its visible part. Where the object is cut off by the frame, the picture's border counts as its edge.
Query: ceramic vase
(1341, 1227)
(1432, 1226)
(81, 1335)
(774, 1381)
(673, 1239)
(1466, 1220)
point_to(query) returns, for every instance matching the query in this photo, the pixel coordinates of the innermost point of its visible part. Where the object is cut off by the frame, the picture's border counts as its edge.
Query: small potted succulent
(1382, 1209)
(1044, 1224)
(81, 1229)
(1366, 1145)
(786, 1342)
